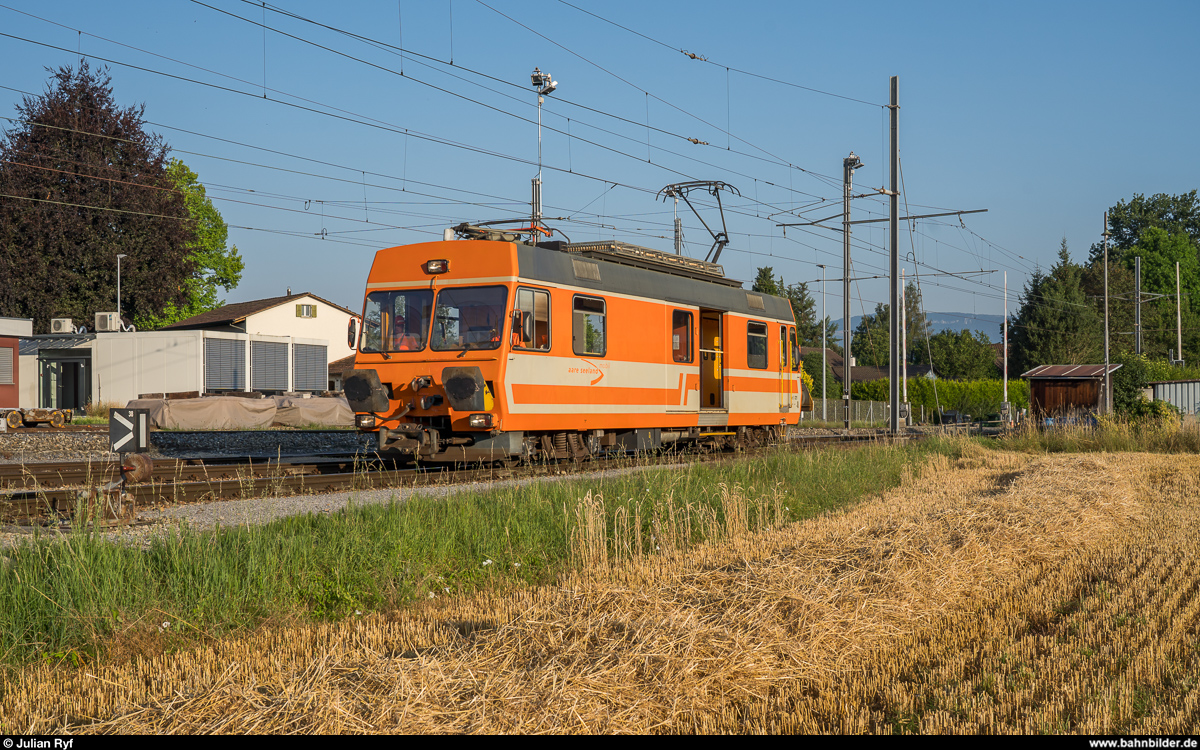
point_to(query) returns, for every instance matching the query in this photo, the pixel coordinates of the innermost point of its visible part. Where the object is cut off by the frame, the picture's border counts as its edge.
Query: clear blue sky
(1043, 113)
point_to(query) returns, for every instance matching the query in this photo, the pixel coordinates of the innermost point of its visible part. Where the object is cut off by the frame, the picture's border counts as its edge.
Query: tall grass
(99, 409)
(74, 598)
(1110, 435)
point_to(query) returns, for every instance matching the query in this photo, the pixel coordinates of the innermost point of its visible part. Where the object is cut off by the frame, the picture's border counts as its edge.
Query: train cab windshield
(469, 318)
(396, 321)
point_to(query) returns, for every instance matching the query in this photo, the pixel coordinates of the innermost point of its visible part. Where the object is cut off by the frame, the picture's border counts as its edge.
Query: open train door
(712, 361)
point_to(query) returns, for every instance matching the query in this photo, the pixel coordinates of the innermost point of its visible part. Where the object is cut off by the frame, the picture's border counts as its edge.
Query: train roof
(624, 253)
(628, 269)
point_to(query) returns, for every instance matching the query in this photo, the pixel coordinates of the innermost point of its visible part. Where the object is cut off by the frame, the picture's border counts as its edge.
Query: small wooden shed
(1062, 389)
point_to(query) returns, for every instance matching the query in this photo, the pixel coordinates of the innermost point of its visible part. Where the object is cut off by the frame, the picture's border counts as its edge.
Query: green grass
(69, 600)
(89, 420)
(841, 425)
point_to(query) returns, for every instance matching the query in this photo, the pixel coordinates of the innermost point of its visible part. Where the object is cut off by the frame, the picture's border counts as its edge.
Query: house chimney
(289, 291)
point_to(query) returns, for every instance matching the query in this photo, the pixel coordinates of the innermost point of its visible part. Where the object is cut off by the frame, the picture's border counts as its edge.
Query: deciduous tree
(215, 265)
(961, 355)
(81, 182)
(1127, 221)
(874, 332)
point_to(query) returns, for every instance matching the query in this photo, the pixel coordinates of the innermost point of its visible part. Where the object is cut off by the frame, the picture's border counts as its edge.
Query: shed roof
(34, 344)
(341, 366)
(1069, 372)
(239, 311)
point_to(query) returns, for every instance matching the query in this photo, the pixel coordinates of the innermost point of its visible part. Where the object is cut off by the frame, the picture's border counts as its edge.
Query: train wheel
(57, 419)
(13, 419)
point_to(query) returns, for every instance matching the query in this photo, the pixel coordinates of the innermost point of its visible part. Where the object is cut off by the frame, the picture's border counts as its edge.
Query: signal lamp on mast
(544, 85)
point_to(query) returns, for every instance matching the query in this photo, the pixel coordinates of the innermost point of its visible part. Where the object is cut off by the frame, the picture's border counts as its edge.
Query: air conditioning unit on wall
(108, 322)
(62, 325)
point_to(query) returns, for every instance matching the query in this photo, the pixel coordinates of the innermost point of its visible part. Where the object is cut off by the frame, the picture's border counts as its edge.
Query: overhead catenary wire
(407, 132)
(702, 58)
(522, 101)
(400, 51)
(393, 129)
(626, 81)
(606, 190)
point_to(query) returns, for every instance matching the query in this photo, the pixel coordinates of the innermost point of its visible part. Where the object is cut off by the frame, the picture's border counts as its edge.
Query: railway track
(37, 494)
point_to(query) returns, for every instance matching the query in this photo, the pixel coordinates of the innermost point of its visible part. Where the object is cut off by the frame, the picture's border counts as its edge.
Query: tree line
(954, 355)
(1060, 313)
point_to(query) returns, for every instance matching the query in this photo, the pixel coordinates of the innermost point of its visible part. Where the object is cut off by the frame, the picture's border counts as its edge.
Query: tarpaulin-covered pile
(235, 413)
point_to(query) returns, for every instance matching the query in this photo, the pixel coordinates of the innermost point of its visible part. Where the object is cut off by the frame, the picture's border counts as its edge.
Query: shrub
(972, 396)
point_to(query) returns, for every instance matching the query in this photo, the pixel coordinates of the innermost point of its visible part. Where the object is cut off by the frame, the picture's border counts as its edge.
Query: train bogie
(15, 418)
(478, 350)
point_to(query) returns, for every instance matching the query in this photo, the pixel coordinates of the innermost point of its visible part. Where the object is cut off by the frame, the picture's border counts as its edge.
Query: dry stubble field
(997, 593)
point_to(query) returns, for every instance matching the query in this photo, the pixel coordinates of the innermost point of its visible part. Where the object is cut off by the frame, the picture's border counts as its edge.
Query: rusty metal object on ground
(137, 467)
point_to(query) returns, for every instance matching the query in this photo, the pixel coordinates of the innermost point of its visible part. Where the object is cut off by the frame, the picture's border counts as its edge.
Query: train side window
(681, 336)
(783, 349)
(534, 305)
(795, 351)
(756, 345)
(588, 326)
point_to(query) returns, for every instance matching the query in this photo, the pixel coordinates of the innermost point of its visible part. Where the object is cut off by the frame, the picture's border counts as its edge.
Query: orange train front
(493, 350)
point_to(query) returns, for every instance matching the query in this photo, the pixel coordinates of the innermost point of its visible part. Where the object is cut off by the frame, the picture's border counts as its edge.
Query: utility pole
(824, 348)
(1107, 377)
(119, 256)
(849, 164)
(904, 338)
(1178, 319)
(1137, 293)
(894, 370)
(1005, 337)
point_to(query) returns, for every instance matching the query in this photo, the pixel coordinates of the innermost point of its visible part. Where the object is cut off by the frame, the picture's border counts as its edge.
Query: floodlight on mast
(544, 84)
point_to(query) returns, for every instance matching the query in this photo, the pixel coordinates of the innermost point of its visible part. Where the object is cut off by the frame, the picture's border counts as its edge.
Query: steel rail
(184, 483)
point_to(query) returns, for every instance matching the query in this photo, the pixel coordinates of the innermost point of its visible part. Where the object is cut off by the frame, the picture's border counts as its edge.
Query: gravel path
(256, 511)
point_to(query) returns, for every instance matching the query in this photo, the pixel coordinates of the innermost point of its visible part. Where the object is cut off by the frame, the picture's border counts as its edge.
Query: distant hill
(952, 321)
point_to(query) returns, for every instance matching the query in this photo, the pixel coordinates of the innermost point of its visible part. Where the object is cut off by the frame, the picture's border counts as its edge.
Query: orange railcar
(497, 350)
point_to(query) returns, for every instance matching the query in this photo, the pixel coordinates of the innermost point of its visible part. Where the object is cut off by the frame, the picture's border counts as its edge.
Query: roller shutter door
(268, 366)
(311, 367)
(224, 365)
(6, 366)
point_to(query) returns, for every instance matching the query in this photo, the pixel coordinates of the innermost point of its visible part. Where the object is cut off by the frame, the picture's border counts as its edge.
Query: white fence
(860, 411)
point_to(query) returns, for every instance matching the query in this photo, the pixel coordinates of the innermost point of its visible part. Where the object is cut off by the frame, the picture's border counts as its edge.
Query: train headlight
(480, 421)
(437, 266)
(364, 421)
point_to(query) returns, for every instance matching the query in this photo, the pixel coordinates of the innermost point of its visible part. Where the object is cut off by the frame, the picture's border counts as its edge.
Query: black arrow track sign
(128, 430)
